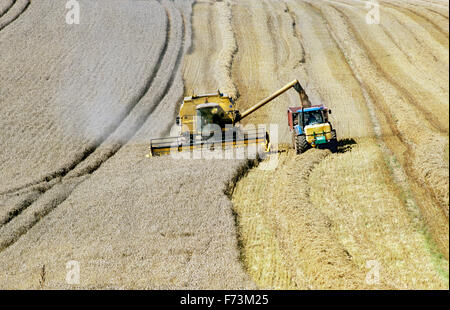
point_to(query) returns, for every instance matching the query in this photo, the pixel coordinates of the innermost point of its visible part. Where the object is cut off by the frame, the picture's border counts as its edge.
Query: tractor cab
(311, 127)
(307, 116)
(311, 118)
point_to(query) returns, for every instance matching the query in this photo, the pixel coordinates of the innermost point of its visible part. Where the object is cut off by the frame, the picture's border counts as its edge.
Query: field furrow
(399, 108)
(5, 6)
(306, 248)
(432, 16)
(11, 10)
(385, 79)
(90, 161)
(66, 142)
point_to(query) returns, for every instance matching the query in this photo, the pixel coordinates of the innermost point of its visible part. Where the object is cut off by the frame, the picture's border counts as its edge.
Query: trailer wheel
(301, 144)
(333, 142)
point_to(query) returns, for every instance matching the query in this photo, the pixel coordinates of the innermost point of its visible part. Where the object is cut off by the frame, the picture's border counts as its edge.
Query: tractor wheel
(301, 144)
(333, 142)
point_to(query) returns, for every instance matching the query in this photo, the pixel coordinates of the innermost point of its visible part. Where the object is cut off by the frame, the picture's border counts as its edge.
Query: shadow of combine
(345, 145)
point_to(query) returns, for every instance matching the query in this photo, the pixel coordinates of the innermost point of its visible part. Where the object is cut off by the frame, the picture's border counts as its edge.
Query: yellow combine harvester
(210, 120)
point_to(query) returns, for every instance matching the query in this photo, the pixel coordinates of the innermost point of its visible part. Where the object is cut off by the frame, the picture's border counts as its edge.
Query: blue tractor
(310, 127)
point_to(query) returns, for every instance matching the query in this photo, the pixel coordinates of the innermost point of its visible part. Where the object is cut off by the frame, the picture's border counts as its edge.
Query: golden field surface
(79, 103)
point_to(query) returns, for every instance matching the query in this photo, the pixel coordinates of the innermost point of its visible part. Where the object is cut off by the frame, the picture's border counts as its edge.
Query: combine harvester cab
(310, 127)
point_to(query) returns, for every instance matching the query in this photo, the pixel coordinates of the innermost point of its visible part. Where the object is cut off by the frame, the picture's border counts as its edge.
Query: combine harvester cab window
(204, 118)
(211, 115)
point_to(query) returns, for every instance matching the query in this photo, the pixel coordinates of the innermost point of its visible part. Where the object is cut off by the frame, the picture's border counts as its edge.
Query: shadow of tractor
(345, 145)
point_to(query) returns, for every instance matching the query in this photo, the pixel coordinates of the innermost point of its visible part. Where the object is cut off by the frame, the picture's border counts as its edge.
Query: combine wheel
(301, 144)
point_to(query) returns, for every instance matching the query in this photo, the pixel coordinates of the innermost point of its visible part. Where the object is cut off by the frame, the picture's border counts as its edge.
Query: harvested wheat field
(79, 104)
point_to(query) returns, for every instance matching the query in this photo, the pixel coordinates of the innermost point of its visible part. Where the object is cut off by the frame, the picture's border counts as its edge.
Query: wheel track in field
(367, 100)
(90, 150)
(430, 118)
(438, 13)
(421, 44)
(433, 7)
(6, 7)
(296, 35)
(410, 32)
(391, 122)
(138, 114)
(286, 59)
(13, 12)
(407, 168)
(417, 11)
(65, 170)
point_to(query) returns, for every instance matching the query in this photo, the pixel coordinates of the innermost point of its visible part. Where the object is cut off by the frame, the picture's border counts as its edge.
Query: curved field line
(141, 93)
(438, 13)
(401, 90)
(138, 118)
(390, 122)
(432, 7)
(411, 32)
(429, 117)
(414, 10)
(433, 31)
(418, 4)
(391, 11)
(118, 137)
(89, 151)
(5, 8)
(429, 20)
(13, 12)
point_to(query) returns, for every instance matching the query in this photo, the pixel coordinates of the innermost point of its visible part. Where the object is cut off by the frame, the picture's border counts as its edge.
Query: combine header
(210, 120)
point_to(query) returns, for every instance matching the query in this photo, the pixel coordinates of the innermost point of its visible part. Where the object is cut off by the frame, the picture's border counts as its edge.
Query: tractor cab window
(311, 118)
(295, 119)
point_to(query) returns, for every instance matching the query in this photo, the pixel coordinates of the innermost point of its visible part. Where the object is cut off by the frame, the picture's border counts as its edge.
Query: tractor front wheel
(333, 142)
(301, 144)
